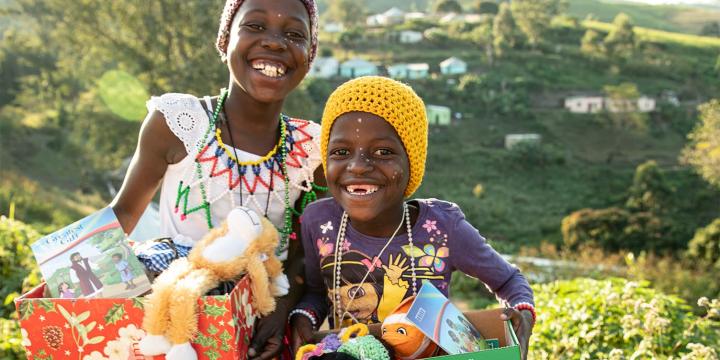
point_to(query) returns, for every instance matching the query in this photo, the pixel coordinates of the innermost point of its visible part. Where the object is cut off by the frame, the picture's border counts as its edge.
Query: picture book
(443, 323)
(90, 258)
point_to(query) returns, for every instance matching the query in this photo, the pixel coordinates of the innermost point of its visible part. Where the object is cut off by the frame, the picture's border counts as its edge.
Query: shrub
(614, 229)
(705, 245)
(16, 261)
(616, 318)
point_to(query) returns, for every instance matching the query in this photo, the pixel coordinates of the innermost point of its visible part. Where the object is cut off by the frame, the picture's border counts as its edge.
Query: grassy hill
(673, 18)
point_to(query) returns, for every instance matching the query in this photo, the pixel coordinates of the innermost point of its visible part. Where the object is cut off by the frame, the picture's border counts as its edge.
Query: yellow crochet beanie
(391, 100)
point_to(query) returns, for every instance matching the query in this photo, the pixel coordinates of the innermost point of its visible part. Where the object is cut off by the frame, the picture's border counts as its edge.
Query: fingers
(514, 316)
(402, 263)
(273, 347)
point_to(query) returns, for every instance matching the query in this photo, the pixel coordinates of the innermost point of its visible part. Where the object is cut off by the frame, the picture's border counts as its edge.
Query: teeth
(269, 69)
(362, 189)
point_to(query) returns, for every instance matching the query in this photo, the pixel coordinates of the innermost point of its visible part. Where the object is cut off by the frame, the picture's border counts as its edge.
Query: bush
(11, 340)
(534, 154)
(16, 262)
(615, 318)
(705, 245)
(614, 229)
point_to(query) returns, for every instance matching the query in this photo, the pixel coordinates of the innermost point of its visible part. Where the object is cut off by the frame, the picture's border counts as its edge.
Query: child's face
(269, 48)
(64, 286)
(367, 166)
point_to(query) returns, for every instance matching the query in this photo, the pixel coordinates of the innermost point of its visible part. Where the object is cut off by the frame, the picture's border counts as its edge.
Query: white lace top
(183, 212)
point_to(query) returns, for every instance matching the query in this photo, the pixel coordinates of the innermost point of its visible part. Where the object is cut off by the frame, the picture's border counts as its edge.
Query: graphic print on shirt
(388, 279)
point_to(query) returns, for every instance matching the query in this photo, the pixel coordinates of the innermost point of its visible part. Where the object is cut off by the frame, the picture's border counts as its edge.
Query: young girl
(374, 141)
(209, 155)
(65, 291)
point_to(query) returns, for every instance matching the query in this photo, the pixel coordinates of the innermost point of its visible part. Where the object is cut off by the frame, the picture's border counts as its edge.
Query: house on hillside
(410, 37)
(409, 71)
(324, 67)
(438, 115)
(591, 104)
(584, 104)
(334, 27)
(645, 104)
(357, 67)
(453, 66)
(415, 15)
(512, 140)
(393, 16)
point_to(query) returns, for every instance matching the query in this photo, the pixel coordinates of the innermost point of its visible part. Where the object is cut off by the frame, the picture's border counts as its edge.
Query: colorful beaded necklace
(268, 160)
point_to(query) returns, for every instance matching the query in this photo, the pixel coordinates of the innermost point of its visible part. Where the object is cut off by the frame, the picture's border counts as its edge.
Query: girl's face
(64, 286)
(367, 167)
(269, 48)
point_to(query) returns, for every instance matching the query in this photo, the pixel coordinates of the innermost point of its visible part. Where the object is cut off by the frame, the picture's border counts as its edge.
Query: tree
(622, 104)
(486, 7)
(447, 6)
(649, 191)
(711, 29)
(348, 12)
(533, 17)
(620, 41)
(703, 151)
(504, 32)
(591, 44)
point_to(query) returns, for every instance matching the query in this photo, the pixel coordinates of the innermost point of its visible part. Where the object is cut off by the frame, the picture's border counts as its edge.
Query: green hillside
(664, 17)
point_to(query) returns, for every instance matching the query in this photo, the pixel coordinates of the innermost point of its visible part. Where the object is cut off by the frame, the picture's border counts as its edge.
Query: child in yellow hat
(369, 247)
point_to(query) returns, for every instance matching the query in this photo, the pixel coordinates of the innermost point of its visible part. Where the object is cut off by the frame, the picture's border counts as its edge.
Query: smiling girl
(211, 154)
(374, 144)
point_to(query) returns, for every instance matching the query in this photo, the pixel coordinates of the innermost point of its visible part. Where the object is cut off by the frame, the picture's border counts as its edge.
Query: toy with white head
(245, 244)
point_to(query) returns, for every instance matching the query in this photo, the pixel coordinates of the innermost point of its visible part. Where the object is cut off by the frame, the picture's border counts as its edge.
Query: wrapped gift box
(94, 329)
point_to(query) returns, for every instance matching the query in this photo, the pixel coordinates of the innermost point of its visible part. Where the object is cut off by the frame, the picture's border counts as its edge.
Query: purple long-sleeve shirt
(443, 241)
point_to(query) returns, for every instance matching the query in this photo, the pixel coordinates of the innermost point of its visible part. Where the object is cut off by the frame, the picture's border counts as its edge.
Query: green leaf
(91, 326)
(413, 251)
(64, 313)
(115, 314)
(214, 311)
(82, 330)
(205, 341)
(46, 304)
(26, 309)
(84, 316)
(139, 303)
(212, 330)
(96, 340)
(212, 354)
(225, 336)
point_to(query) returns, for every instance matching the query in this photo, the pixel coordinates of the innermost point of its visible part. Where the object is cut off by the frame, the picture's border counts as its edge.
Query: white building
(410, 37)
(584, 104)
(415, 15)
(645, 104)
(593, 104)
(333, 27)
(511, 140)
(324, 67)
(453, 66)
(409, 71)
(357, 67)
(393, 16)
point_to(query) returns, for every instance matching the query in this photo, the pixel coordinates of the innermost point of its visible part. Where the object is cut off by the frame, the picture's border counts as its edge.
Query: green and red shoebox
(490, 326)
(95, 329)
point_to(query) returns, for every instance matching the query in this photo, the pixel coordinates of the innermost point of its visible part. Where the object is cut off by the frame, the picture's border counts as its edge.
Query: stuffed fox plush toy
(245, 244)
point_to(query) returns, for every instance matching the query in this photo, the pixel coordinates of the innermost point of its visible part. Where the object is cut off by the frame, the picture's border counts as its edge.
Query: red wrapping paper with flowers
(95, 329)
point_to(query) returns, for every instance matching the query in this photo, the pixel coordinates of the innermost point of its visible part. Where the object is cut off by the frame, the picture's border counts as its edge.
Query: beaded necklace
(286, 231)
(338, 313)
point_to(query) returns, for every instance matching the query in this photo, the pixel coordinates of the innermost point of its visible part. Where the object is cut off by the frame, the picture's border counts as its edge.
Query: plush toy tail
(183, 304)
(263, 300)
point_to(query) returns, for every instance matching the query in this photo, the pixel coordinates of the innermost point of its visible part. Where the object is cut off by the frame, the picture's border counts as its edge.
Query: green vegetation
(617, 319)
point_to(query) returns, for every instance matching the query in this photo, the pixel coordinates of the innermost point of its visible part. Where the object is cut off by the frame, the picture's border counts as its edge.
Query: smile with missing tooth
(361, 189)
